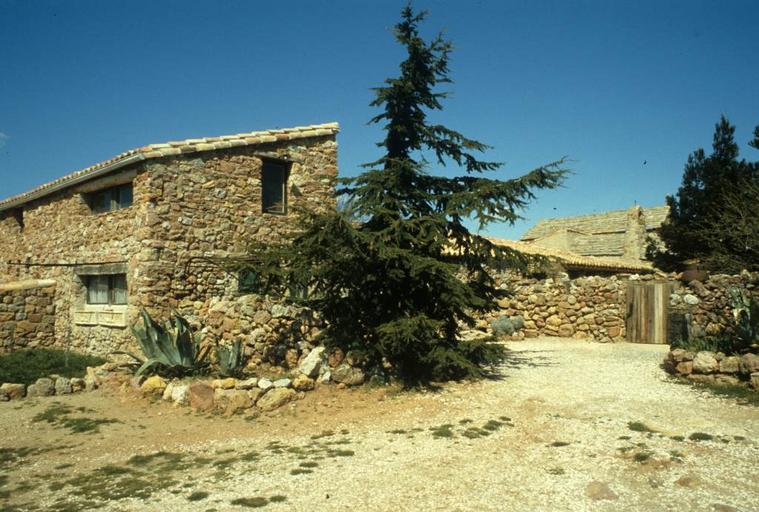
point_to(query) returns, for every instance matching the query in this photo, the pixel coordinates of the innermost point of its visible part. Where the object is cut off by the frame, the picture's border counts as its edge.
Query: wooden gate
(647, 311)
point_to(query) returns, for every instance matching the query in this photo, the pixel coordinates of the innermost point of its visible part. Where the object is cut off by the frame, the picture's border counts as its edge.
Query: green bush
(26, 366)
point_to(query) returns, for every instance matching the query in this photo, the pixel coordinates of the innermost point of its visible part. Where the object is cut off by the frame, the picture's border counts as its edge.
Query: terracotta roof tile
(571, 259)
(172, 148)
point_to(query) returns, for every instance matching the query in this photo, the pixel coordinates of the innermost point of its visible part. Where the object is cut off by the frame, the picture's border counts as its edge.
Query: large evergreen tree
(397, 273)
(706, 217)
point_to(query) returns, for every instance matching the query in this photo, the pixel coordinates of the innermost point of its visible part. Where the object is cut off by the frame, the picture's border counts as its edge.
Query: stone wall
(585, 308)
(186, 208)
(27, 317)
(706, 305)
(595, 307)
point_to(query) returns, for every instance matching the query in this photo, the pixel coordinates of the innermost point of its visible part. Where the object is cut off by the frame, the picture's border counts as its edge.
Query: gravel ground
(551, 432)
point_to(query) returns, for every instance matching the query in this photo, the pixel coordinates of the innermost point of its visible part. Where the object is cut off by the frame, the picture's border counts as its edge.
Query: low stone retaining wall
(53, 385)
(27, 315)
(705, 366)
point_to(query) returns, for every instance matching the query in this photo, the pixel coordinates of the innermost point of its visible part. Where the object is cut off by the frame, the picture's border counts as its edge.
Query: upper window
(110, 289)
(110, 199)
(274, 187)
(18, 216)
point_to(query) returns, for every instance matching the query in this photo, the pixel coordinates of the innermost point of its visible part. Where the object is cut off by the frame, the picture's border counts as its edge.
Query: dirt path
(565, 427)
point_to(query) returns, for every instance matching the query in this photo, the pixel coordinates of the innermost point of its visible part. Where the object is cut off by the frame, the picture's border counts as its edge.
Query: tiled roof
(570, 259)
(598, 234)
(607, 222)
(172, 148)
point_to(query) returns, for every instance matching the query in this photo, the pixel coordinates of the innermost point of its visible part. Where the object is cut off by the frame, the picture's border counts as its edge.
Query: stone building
(85, 252)
(619, 233)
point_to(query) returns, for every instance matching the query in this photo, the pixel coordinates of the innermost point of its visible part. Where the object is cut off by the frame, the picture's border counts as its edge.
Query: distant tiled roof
(598, 234)
(180, 147)
(572, 260)
(607, 222)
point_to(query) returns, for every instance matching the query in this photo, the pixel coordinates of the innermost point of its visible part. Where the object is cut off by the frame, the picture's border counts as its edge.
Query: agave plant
(746, 314)
(230, 358)
(172, 347)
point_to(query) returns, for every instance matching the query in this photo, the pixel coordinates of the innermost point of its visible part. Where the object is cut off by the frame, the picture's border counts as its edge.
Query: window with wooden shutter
(274, 187)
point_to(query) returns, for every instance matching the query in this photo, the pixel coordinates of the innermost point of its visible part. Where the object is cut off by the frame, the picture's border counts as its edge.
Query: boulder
(180, 394)
(754, 380)
(255, 394)
(282, 383)
(154, 385)
(275, 398)
(684, 368)
(303, 383)
(14, 391)
(705, 362)
(63, 386)
(77, 385)
(348, 375)
(730, 364)
(247, 384)
(228, 383)
(326, 377)
(167, 392)
(236, 401)
(90, 382)
(201, 396)
(749, 363)
(265, 384)
(43, 387)
(312, 363)
(691, 300)
(566, 331)
(679, 355)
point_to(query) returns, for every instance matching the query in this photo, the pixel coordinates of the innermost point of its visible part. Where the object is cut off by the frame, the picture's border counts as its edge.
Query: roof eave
(109, 168)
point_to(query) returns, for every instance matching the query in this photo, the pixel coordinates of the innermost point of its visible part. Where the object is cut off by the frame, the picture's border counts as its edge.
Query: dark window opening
(247, 281)
(18, 215)
(106, 289)
(110, 199)
(274, 187)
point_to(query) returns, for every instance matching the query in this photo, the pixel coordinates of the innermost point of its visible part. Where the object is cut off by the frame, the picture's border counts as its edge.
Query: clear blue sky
(611, 84)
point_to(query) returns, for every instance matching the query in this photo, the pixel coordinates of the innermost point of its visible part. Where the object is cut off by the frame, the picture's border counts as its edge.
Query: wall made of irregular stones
(186, 208)
(585, 308)
(707, 304)
(27, 318)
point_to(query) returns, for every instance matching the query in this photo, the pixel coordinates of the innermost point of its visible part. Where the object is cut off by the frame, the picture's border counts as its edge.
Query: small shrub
(700, 436)
(197, 496)
(639, 426)
(26, 366)
(230, 359)
(256, 502)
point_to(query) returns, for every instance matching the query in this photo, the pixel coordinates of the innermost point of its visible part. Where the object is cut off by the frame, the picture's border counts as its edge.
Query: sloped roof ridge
(172, 148)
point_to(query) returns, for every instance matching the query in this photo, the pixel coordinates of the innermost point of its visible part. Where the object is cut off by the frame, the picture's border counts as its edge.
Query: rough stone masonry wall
(586, 308)
(185, 208)
(595, 307)
(210, 206)
(707, 303)
(27, 318)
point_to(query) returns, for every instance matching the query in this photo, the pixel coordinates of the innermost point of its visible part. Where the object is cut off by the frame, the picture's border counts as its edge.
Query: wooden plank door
(647, 311)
